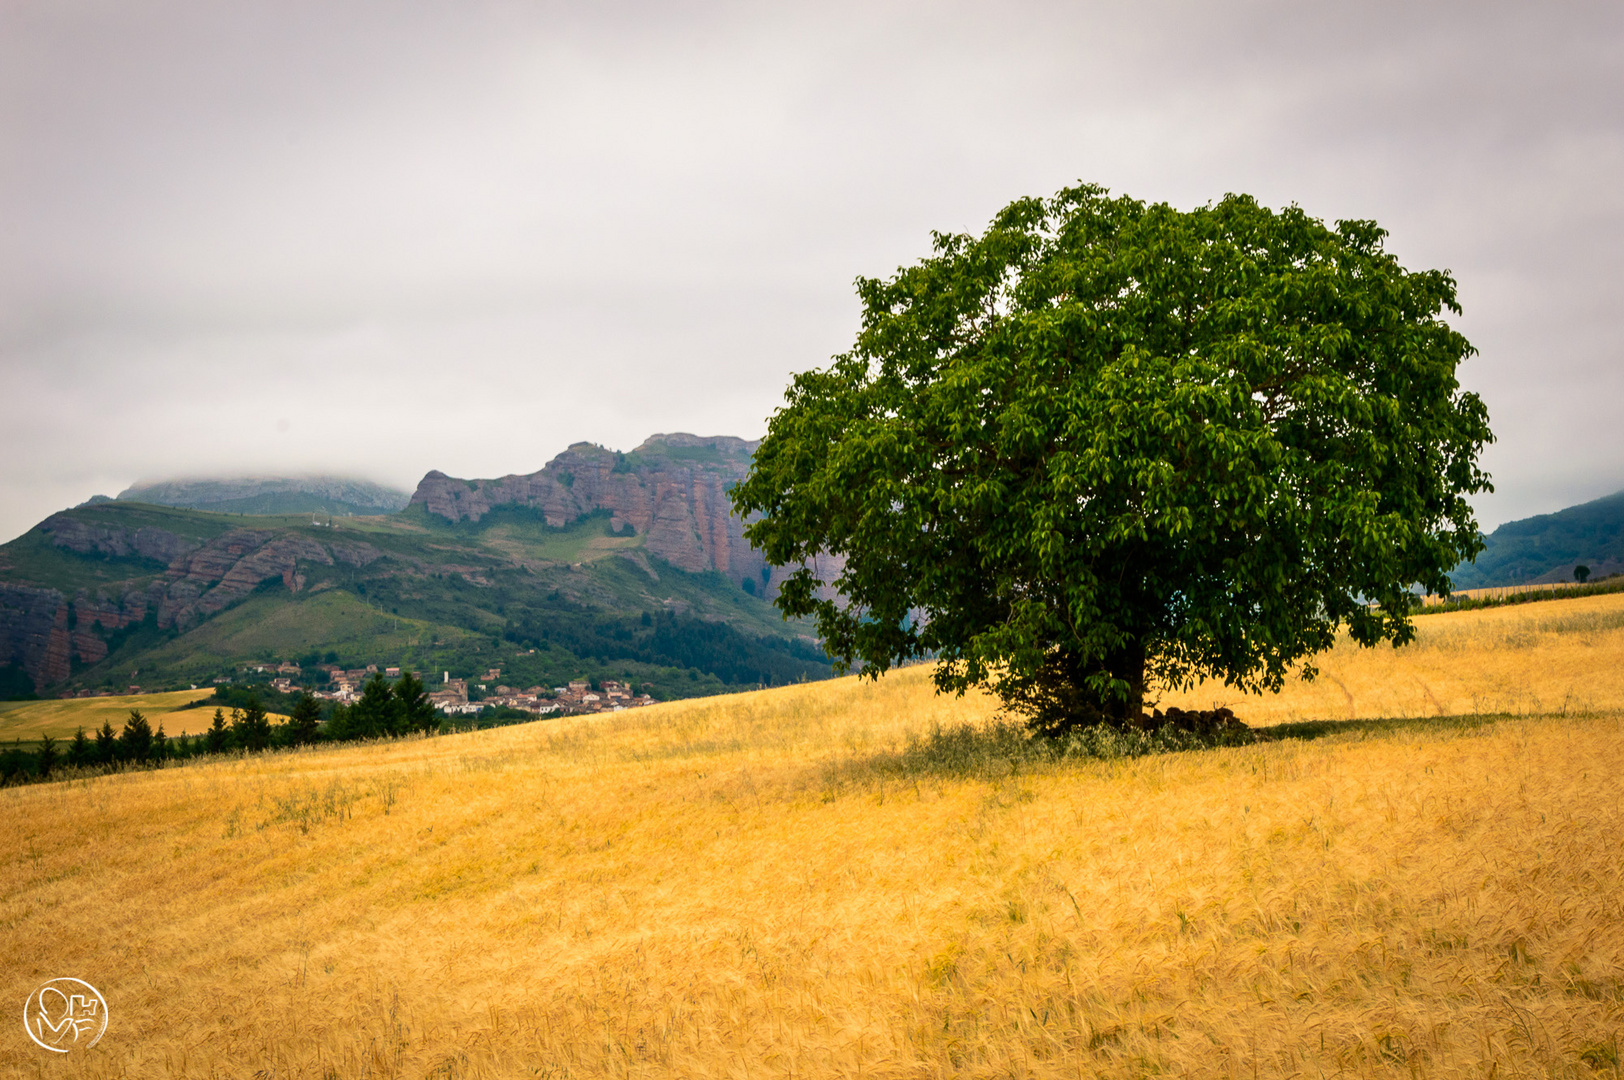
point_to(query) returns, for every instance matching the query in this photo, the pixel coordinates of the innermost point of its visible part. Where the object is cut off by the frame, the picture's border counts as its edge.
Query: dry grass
(712, 888)
(28, 720)
(1556, 657)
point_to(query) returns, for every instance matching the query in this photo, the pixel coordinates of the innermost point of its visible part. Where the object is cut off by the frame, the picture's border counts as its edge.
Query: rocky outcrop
(672, 489)
(95, 616)
(44, 633)
(228, 568)
(34, 632)
(89, 537)
(354, 553)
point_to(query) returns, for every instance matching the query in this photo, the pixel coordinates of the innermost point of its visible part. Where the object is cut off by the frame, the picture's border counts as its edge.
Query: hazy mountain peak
(271, 495)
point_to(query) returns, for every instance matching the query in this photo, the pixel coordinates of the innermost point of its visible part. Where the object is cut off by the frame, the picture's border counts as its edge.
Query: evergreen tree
(304, 723)
(340, 724)
(416, 710)
(218, 737)
(135, 744)
(251, 726)
(47, 757)
(79, 750)
(160, 743)
(377, 713)
(106, 744)
(14, 763)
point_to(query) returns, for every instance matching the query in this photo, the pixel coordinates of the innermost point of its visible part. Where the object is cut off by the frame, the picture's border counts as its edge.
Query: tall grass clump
(1002, 747)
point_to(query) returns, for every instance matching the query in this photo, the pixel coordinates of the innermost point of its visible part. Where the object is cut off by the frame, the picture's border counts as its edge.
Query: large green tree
(1108, 447)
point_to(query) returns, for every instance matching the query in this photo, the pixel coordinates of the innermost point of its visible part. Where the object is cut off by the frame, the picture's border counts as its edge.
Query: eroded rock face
(34, 632)
(228, 568)
(87, 538)
(354, 553)
(672, 489)
(44, 633)
(98, 615)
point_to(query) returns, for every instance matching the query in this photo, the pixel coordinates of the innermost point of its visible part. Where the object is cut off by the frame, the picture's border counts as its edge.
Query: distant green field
(32, 720)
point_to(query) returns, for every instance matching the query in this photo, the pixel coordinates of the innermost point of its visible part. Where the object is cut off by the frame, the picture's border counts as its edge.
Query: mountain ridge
(590, 557)
(580, 566)
(671, 488)
(1546, 547)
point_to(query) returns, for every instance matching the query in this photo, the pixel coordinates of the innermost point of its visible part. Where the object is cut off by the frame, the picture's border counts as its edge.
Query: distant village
(450, 696)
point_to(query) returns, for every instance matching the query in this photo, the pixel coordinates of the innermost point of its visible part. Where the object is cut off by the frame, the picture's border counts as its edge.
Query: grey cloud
(462, 236)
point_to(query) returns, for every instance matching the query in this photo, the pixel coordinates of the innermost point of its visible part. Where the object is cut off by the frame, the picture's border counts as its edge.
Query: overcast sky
(378, 239)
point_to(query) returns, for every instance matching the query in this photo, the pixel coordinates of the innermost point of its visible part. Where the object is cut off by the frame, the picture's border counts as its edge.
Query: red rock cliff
(672, 490)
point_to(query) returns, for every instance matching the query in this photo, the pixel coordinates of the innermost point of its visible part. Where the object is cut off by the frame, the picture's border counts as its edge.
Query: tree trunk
(1127, 665)
(1058, 698)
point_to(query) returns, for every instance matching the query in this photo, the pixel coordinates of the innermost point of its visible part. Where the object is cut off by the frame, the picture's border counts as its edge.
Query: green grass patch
(660, 453)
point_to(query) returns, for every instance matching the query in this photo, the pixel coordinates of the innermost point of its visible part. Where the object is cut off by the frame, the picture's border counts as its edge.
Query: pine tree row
(383, 711)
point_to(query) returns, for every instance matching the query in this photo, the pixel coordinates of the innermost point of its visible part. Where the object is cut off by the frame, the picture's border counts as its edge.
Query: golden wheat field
(1552, 657)
(729, 887)
(29, 720)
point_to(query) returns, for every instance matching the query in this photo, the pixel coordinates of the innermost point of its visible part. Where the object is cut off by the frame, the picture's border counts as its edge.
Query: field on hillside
(755, 885)
(1539, 658)
(29, 720)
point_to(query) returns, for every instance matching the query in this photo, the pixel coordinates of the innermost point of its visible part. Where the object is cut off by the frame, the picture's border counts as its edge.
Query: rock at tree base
(1204, 722)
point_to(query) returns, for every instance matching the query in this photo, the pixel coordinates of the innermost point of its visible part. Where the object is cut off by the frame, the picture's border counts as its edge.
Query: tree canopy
(1107, 446)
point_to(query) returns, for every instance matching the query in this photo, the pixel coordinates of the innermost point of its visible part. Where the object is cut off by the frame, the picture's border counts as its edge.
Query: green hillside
(1548, 546)
(194, 596)
(268, 626)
